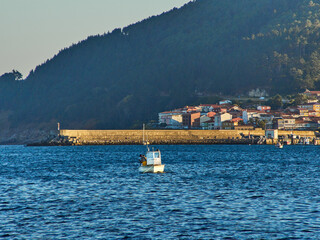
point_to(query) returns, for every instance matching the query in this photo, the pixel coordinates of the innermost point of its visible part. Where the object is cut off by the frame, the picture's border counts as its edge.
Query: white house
(264, 108)
(209, 125)
(171, 118)
(248, 114)
(176, 120)
(204, 119)
(206, 123)
(220, 118)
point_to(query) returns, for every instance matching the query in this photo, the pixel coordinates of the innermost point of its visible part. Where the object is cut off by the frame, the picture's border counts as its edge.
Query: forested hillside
(207, 47)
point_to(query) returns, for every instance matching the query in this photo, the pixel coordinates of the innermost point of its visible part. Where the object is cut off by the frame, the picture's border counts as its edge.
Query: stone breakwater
(163, 137)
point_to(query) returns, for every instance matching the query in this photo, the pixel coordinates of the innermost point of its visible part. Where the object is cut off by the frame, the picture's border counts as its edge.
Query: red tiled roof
(211, 114)
(255, 111)
(237, 119)
(209, 105)
(167, 112)
(300, 121)
(313, 92)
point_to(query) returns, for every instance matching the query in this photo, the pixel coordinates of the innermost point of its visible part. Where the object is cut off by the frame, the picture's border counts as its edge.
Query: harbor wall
(110, 137)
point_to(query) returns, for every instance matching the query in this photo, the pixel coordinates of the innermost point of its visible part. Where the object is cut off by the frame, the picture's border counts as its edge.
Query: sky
(32, 31)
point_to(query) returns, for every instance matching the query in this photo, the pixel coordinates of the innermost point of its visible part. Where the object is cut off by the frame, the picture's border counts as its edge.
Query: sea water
(206, 192)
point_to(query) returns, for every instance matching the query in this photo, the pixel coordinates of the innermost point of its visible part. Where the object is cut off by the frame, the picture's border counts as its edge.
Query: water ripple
(207, 192)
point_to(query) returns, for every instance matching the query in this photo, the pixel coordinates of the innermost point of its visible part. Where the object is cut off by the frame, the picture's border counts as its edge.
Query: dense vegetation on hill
(207, 47)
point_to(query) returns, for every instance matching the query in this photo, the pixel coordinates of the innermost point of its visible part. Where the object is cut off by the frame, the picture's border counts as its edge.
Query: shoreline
(154, 144)
(222, 142)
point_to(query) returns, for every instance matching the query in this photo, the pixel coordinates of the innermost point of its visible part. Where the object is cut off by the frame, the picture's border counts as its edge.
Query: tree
(17, 75)
(261, 124)
(252, 121)
(276, 102)
(162, 125)
(300, 99)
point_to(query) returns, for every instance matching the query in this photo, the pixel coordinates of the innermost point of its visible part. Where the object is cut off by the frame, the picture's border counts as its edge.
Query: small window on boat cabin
(156, 155)
(150, 155)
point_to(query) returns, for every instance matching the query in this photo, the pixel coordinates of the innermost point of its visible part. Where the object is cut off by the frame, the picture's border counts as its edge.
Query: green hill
(207, 47)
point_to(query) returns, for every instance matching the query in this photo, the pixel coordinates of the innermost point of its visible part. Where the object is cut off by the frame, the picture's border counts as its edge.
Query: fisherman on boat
(143, 160)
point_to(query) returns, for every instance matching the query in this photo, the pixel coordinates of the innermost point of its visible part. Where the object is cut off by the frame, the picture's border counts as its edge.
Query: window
(156, 155)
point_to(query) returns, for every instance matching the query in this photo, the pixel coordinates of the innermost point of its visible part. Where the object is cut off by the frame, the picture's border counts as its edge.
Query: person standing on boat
(143, 160)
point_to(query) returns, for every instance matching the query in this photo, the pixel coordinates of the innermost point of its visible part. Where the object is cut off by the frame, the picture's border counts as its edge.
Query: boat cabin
(153, 157)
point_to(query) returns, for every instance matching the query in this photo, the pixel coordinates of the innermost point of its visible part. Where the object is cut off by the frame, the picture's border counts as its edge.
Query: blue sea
(207, 192)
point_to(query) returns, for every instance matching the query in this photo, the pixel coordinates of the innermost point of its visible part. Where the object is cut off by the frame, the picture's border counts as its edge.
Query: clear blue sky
(32, 31)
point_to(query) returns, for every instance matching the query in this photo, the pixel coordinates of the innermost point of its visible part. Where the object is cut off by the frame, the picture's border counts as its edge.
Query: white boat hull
(151, 169)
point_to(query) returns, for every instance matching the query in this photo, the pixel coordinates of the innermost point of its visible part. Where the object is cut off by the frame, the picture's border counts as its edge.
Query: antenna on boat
(143, 132)
(145, 142)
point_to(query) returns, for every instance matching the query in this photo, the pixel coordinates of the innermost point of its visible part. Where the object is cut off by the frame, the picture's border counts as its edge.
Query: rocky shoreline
(25, 136)
(62, 142)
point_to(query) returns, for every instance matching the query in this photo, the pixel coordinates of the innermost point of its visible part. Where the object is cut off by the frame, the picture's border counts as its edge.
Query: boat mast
(143, 132)
(145, 140)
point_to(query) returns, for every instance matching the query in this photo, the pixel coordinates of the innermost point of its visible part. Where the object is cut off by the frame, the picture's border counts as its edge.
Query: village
(228, 116)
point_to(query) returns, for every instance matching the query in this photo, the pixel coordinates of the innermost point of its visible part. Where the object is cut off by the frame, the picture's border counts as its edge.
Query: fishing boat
(151, 162)
(279, 145)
